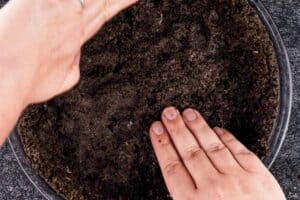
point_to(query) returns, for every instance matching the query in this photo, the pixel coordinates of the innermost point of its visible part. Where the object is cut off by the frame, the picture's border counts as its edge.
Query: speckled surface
(286, 14)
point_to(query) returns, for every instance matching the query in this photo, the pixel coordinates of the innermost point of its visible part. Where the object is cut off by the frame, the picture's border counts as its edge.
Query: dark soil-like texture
(213, 55)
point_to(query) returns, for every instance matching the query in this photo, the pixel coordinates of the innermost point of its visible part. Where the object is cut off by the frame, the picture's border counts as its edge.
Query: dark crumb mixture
(213, 55)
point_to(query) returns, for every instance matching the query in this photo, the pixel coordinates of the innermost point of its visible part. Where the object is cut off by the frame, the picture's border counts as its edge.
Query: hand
(198, 162)
(40, 44)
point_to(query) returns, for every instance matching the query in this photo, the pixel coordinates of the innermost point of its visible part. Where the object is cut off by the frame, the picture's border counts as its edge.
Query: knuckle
(172, 167)
(215, 148)
(192, 153)
(230, 140)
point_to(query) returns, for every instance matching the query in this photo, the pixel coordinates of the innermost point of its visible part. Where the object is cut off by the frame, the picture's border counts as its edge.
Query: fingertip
(170, 113)
(157, 128)
(193, 118)
(189, 114)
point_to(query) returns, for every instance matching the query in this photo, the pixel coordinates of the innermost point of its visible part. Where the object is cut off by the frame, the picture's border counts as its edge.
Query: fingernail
(158, 128)
(219, 131)
(190, 115)
(171, 113)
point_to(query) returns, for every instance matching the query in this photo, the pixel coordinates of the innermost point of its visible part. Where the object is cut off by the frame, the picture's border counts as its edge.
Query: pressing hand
(198, 162)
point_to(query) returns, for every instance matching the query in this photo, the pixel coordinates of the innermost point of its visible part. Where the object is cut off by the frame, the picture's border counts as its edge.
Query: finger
(187, 146)
(72, 76)
(247, 159)
(97, 15)
(217, 152)
(177, 178)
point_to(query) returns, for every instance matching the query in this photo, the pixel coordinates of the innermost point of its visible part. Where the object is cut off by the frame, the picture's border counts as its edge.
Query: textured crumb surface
(92, 142)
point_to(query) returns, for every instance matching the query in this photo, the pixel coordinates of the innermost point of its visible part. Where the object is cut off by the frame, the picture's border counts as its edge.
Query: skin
(43, 61)
(40, 54)
(198, 162)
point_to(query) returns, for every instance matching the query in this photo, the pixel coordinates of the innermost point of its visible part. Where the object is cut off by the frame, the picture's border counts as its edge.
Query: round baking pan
(278, 132)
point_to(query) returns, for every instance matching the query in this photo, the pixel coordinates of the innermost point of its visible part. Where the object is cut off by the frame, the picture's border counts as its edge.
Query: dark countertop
(286, 14)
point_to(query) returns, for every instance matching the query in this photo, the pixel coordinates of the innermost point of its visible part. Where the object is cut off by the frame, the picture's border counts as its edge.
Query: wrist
(13, 91)
(12, 103)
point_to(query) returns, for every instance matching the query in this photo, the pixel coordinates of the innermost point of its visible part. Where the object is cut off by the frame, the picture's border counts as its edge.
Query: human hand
(40, 44)
(198, 162)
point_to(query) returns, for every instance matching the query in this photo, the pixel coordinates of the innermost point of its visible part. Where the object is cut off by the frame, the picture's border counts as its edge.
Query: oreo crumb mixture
(212, 55)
